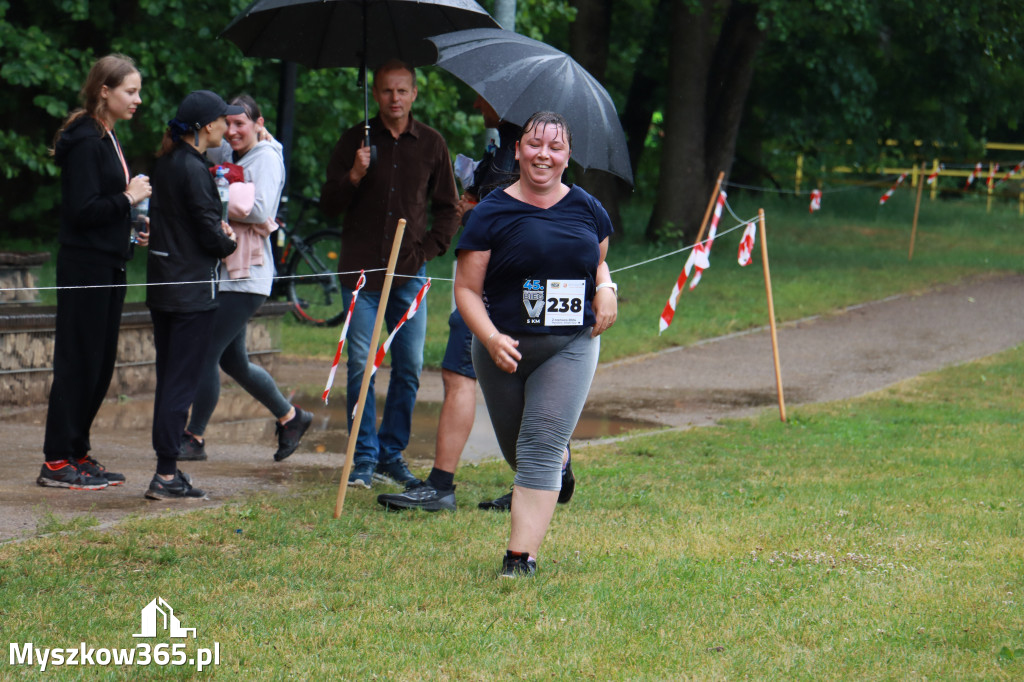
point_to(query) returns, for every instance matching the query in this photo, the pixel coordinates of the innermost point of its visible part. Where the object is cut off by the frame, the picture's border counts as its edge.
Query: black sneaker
(192, 449)
(289, 434)
(361, 476)
(178, 488)
(518, 565)
(423, 496)
(68, 476)
(503, 503)
(568, 480)
(395, 473)
(88, 465)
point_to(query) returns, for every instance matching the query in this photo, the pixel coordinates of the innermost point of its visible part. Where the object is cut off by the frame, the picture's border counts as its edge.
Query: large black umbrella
(519, 76)
(363, 33)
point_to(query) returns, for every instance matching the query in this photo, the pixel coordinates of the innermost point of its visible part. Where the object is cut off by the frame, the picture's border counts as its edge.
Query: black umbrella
(519, 76)
(363, 33)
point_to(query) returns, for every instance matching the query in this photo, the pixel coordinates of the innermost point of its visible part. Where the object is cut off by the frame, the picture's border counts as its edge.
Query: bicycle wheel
(314, 287)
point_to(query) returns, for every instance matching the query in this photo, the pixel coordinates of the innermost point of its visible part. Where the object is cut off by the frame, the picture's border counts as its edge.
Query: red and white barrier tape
(992, 175)
(702, 252)
(892, 190)
(383, 350)
(815, 200)
(1016, 169)
(975, 174)
(747, 244)
(344, 334)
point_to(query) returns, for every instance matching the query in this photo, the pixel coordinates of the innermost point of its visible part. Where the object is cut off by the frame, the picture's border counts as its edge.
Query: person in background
(188, 240)
(97, 195)
(250, 276)
(411, 178)
(496, 169)
(528, 282)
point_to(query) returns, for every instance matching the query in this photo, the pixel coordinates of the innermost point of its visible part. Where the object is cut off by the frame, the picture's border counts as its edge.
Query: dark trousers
(85, 349)
(181, 341)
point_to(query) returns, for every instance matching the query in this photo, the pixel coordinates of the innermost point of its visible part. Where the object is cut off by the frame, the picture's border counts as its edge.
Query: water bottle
(139, 213)
(222, 190)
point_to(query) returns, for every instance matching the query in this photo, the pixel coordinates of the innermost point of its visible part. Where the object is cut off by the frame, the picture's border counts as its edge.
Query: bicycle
(308, 269)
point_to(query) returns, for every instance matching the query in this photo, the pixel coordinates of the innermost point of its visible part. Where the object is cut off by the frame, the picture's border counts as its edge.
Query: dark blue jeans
(388, 443)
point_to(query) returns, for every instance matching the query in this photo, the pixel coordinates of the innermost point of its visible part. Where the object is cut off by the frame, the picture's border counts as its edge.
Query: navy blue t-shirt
(540, 277)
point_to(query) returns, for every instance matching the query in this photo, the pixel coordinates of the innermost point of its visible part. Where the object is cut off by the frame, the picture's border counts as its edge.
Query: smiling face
(543, 154)
(121, 102)
(394, 91)
(242, 132)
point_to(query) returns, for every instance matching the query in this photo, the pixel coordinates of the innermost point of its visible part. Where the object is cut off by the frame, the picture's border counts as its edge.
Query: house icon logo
(158, 615)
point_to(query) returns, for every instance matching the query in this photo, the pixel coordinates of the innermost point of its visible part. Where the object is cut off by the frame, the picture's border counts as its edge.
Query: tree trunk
(681, 195)
(709, 78)
(589, 36)
(647, 88)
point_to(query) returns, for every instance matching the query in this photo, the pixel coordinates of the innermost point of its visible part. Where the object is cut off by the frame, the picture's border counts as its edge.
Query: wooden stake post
(368, 371)
(917, 211)
(771, 313)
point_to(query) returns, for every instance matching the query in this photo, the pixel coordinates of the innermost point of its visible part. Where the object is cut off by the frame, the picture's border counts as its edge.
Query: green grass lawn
(877, 538)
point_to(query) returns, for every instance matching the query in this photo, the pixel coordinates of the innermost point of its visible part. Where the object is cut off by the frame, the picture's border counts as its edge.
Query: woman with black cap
(187, 241)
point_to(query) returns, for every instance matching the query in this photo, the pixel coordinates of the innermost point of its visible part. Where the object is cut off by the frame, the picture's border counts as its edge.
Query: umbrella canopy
(331, 33)
(519, 76)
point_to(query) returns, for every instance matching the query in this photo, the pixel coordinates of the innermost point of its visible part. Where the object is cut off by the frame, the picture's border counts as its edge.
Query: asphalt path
(830, 357)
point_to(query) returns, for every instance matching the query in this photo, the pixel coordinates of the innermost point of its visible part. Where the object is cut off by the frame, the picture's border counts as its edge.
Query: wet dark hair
(245, 100)
(542, 119)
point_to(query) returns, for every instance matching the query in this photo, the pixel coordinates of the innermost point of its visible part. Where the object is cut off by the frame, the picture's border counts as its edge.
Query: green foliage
(901, 70)
(47, 47)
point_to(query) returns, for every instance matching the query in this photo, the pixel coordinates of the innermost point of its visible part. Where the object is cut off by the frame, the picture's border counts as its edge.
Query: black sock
(441, 480)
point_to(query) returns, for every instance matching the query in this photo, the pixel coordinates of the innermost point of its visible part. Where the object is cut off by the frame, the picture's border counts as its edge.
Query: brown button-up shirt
(411, 175)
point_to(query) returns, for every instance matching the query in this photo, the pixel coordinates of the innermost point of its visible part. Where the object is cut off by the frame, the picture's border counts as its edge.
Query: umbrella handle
(373, 149)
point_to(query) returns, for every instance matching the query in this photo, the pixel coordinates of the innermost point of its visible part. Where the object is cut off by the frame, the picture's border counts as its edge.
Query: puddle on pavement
(330, 433)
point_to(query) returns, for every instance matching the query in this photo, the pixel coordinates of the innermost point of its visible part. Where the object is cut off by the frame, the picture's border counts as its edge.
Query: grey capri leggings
(535, 410)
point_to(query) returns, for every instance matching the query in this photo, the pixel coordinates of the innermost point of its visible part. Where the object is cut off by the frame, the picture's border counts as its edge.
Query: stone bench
(20, 271)
(26, 350)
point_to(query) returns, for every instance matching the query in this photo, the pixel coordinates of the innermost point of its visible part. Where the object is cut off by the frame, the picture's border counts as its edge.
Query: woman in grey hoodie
(250, 274)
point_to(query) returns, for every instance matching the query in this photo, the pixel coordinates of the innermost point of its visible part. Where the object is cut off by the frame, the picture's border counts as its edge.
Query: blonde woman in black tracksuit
(97, 194)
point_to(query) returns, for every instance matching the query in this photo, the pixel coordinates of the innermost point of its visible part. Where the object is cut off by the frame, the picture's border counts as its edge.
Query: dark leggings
(227, 348)
(535, 410)
(181, 340)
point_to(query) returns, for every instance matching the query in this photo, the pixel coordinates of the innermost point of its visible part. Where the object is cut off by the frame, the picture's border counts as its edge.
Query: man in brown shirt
(412, 176)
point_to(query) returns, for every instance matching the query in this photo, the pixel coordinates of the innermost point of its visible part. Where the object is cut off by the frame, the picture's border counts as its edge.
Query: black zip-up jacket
(186, 241)
(95, 216)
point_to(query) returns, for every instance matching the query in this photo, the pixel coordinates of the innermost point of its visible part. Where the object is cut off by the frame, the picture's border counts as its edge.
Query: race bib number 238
(554, 302)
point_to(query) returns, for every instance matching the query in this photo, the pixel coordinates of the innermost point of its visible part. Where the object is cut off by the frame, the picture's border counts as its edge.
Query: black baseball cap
(202, 106)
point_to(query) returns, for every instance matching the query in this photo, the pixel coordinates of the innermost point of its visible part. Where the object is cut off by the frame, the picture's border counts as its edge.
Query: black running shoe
(568, 479)
(518, 565)
(423, 496)
(178, 488)
(290, 433)
(395, 472)
(503, 503)
(68, 476)
(88, 465)
(192, 449)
